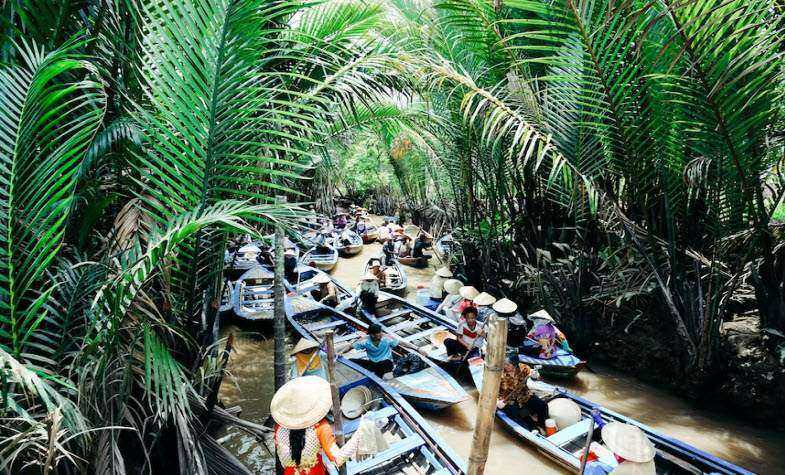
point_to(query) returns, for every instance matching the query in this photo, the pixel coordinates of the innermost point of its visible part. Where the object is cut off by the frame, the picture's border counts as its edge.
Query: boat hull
(416, 262)
(325, 262)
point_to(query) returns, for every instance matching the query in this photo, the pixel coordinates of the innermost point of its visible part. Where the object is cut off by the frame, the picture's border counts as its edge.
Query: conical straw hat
(453, 286)
(302, 345)
(541, 315)
(484, 299)
(301, 403)
(505, 306)
(321, 279)
(628, 442)
(468, 292)
(565, 412)
(635, 468)
(444, 272)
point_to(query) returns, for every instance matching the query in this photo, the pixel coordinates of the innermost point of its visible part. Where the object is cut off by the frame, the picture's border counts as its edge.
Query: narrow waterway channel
(759, 450)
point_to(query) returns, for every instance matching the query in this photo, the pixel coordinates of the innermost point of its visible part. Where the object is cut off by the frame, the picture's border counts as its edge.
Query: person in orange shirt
(302, 433)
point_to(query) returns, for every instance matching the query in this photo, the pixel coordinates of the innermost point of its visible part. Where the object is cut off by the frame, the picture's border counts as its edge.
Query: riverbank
(760, 450)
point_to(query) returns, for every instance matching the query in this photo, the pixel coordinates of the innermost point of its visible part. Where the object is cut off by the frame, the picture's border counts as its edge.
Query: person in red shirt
(469, 333)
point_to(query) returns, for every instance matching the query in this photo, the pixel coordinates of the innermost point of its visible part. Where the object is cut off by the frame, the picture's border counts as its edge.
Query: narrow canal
(251, 387)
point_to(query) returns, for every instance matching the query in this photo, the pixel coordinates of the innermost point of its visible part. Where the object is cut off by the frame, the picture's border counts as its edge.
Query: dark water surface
(251, 387)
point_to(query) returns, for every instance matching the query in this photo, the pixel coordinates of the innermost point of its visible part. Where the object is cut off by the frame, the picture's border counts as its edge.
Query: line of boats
(432, 386)
(424, 379)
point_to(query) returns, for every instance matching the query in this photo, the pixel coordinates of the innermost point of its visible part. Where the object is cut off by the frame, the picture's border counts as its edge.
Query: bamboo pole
(494, 362)
(329, 339)
(279, 323)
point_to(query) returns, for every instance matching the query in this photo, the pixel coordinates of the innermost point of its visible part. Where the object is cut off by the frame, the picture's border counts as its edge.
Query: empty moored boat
(396, 281)
(445, 246)
(672, 457)
(305, 285)
(253, 295)
(348, 242)
(419, 380)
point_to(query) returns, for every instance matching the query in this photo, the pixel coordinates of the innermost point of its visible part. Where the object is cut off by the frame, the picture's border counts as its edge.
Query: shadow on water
(251, 387)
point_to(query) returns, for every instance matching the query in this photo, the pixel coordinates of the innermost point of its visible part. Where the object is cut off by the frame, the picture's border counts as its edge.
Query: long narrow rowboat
(306, 285)
(324, 260)
(414, 446)
(245, 257)
(253, 295)
(370, 235)
(414, 324)
(416, 262)
(564, 364)
(396, 277)
(426, 386)
(673, 457)
(348, 243)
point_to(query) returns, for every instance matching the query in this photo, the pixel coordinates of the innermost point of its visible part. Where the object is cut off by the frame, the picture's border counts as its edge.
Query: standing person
(469, 331)
(483, 303)
(378, 349)
(467, 292)
(326, 293)
(368, 292)
(515, 397)
(308, 360)
(388, 250)
(303, 437)
(446, 308)
(436, 289)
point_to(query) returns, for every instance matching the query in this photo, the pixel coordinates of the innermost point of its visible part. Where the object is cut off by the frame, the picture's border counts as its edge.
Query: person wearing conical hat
(308, 360)
(547, 335)
(516, 329)
(326, 293)
(302, 434)
(483, 302)
(515, 397)
(368, 293)
(290, 266)
(467, 292)
(626, 451)
(452, 287)
(375, 268)
(436, 289)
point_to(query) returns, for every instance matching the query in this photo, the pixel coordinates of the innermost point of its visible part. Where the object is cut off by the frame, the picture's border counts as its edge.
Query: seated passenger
(470, 333)
(308, 360)
(515, 397)
(446, 308)
(326, 292)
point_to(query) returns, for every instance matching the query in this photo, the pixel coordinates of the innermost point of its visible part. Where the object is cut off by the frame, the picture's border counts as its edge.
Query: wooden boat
(227, 290)
(253, 295)
(417, 262)
(414, 324)
(429, 387)
(287, 244)
(396, 277)
(445, 246)
(370, 235)
(245, 257)
(563, 365)
(324, 260)
(673, 457)
(305, 285)
(348, 242)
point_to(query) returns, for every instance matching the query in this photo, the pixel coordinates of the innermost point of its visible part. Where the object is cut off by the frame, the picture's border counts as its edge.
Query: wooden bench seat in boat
(570, 433)
(422, 334)
(407, 324)
(401, 447)
(314, 327)
(392, 315)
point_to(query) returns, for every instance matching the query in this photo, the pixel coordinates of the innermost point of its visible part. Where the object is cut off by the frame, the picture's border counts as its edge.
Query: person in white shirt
(469, 332)
(446, 308)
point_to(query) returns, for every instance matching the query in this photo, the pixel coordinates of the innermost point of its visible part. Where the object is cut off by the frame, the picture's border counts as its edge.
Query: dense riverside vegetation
(604, 159)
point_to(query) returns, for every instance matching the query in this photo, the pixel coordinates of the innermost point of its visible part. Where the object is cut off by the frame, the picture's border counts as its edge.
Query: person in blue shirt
(378, 349)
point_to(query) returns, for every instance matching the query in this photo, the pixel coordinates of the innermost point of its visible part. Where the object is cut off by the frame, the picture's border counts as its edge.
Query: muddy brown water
(722, 434)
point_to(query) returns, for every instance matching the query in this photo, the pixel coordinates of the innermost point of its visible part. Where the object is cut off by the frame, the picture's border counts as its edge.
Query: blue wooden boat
(564, 364)
(427, 387)
(371, 233)
(348, 242)
(325, 258)
(252, 300)
(673, 457)
(305, 285)
(397, 281)
(414, 324)
(245, 257)
(445, 246)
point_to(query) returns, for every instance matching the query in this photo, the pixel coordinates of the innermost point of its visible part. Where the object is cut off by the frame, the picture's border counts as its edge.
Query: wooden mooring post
(329, 339)
(494, 363)
(279, 323)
